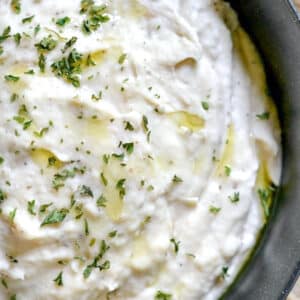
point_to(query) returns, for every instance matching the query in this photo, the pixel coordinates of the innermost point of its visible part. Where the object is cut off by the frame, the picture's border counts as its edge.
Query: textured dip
(139, 149)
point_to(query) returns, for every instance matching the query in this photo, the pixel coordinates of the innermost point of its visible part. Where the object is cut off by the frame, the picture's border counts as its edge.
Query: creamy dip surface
(139, 149)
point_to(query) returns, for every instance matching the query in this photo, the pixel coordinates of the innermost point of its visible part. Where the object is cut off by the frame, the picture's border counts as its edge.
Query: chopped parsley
(3, 196)
(16, 6)
(4, 283)
(17, 38)
(70, 43)
(265, 196)
(145, 124)
(31, 207)
(63, 21)
(227, 171)
(89, 63)
(44, 207)
(113, 234)
(46, 44)
(129, 147)
(5, 34)
(86, 191)
(176, 179)
(120, 186)
(59, 280)
(1, 160)
(263, 116)
(162, 296)
(101, 201)
(11, 78)
(95, 16)
(86, 5)
(29, 72)
(225, 272)
(52, 161)
(128, 126)
(27, 19)
(37, 28)
(106, 158)
(122, 58)
(205, 105)
(235, 198)
(42, 62)
(118, 156)
(86, 227)
(12, 214)
(175, 244)
(60, 178)
(41, 133)
(214, 210)
(95, 264)
(103, 179)
(69, 67)
(55, 216)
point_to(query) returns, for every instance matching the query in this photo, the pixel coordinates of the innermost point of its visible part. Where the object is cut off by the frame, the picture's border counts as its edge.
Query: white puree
(140, 180)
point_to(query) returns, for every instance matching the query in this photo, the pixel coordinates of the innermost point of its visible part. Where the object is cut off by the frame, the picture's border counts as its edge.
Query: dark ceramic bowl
(275, 266)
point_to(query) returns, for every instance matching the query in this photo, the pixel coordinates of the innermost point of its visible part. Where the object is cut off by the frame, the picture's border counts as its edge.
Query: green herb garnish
(205, 105)
(27, 19)
(175, 244)
(11, 78)
(59, 280)
(63, 21)
(46, 44)
(120, 186)
(42, 62)
(86, 191)
(101, 201)
(69, 67)
(177, 179)
(214, 210)
(55, 216)
(235, 198)
(122, 58)
(162, 296)
(129, 147)
(263, 116)
(31, 207)
(16, 6)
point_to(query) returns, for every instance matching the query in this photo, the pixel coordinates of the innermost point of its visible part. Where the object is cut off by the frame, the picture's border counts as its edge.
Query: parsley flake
(16, 6)
(63, 21)
(69, 67)
(59, 280)
(101, 201)
(263, 116)
(27, 19)
(177, 179)
(214, 210)
(128, 126)
(235, 198)
(11, 78)
(175, 244)
(205, 105)
(120, 186)
(122, 58)
(129, 147)
(46, 44)
(86, 191)
(30, 207)
(162, 296)
(55, 216)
